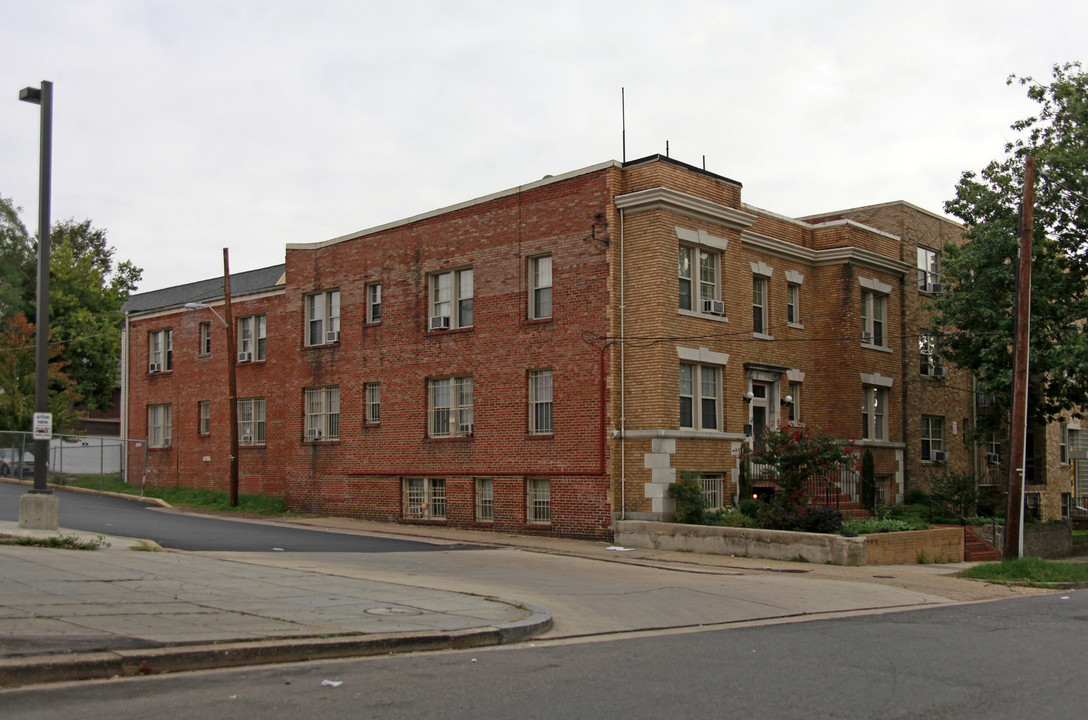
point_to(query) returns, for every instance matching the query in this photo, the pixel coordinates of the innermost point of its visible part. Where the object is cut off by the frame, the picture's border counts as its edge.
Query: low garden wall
(941, 545)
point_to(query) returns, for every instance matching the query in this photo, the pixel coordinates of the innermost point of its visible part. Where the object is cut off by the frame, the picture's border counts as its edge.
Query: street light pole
(39, 509)
(232, 378)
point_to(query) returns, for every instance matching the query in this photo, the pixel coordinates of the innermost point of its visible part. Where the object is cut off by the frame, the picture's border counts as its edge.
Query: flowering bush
(796, 454)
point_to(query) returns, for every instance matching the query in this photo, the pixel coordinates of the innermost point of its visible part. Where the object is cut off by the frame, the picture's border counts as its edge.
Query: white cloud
(187, 127)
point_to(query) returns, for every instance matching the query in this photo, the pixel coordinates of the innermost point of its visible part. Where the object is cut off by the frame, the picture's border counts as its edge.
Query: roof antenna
(666, 148)
(704, 163)
(623, 123)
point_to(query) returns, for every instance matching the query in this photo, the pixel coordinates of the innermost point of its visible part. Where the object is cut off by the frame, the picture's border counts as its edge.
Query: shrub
(797, 454)
(690, 500)
(731, 517)
(777, 517)
(867, 526)
(915, 496)
(751, 508)
(819, 519)
(958, 491)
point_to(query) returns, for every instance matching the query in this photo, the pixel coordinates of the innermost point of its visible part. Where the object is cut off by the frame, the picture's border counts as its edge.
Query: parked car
(12, 465)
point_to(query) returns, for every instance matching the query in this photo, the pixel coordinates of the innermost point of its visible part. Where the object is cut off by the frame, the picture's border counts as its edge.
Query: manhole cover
(393, 611)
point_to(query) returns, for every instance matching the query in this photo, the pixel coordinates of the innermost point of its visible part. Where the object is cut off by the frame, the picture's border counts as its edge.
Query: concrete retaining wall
(943, 545)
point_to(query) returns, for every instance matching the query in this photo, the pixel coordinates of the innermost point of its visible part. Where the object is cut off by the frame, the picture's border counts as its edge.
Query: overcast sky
(186, 126)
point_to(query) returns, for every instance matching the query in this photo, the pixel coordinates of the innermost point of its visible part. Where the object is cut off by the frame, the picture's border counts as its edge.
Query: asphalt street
(1009, 659)
(184, 531)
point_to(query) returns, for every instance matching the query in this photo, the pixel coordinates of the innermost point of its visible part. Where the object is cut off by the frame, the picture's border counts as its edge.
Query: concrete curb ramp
(29, 670)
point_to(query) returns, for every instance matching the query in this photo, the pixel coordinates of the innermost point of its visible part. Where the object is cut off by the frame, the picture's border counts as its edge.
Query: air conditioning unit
(866, 337)
(313, 434)
(936, 288)
(440, 322)
(245, 356)
(245, 440)
(940, 456)
(332, 336)
(939, 371)
(993, 458)
(154, 367)
(714, 307)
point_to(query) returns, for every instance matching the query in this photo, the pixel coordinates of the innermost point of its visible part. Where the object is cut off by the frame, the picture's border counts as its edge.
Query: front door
(760, 412)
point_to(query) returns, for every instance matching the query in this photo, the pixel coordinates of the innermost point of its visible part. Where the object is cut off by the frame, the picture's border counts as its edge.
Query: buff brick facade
(648, 370)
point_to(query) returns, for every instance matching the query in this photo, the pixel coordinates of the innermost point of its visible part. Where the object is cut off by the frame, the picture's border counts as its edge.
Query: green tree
(981, 274)
(17, 380)
(86, 292)
(797, 454)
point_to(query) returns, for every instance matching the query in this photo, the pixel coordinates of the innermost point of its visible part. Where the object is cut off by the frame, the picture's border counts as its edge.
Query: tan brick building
(548, 358)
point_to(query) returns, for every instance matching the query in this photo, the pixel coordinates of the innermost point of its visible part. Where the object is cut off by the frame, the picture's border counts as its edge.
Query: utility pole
(1014, 516)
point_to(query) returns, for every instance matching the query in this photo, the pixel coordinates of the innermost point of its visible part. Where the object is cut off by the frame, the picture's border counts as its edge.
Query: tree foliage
(981, 274)
(17, 379)
(87, 290)
(798, 453)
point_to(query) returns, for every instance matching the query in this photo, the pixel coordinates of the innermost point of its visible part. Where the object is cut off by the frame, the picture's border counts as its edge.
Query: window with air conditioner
(929, 271)
(451, 298)
(450, 407)
(699, 271)
(251, 420)
(160, 350)
(322, 413)
(322, 316)
(158, 426)
(932, 434)
(251, 338)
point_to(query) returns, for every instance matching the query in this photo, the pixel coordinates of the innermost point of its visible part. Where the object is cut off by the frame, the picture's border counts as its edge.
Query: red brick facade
(617, 343)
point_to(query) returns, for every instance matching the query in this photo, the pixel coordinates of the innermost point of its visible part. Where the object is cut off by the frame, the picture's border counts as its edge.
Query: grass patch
(195, 498)
(1028, 571)
(63, 542)
(867, 526)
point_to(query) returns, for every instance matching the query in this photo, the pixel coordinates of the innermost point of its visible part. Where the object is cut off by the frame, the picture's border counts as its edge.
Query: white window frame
(794, 410)
(538, 501)
(321, 411)
(373, 392)
(929, 268)
(449, 406)
(713, 486)
(251, 420)
(322, 316)
(701, 385)
(251, 336)
(160, 349)
(540, 287)
(451, 296)
(158, 425)
(374, 303)
(701, 275)
(541, 393)
(485, 500)
(204, 417)
(1063, 443)
(793, 304)
(932, 436)
(874, 413)
(929, 358)
(424, 498)
(205, 347)
(874, 318)
(760, 287)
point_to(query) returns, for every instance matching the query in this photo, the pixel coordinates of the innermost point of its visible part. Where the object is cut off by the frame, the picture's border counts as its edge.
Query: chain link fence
(70, 456)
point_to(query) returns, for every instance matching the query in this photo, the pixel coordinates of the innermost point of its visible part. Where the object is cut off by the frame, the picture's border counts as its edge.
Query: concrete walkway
(71, 614)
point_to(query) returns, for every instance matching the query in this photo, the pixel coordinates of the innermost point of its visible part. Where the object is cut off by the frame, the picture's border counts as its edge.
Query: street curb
(92, 491)
(40, 669)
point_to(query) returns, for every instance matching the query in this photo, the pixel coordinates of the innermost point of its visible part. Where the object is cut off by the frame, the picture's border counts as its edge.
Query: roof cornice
(662, 198)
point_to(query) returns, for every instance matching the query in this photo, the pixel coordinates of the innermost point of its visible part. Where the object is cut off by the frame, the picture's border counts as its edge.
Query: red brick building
(547, 358)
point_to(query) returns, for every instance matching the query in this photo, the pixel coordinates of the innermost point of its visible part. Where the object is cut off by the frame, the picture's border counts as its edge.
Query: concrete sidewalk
(72, 614)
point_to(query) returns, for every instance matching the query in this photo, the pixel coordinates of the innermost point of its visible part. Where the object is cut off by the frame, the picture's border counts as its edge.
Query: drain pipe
(623, 380)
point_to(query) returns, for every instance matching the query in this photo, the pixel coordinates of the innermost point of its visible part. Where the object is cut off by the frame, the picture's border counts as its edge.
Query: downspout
(124, 399)
(623, 379)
